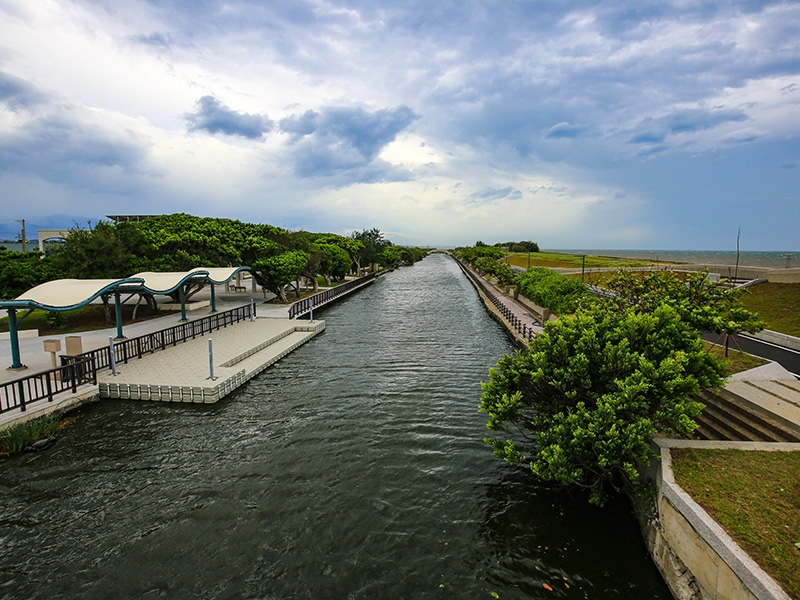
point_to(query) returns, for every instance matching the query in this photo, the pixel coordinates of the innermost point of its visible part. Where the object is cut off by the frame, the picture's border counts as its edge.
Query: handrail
(527, 333)
(125, 350)
(305, 305)
(46, 384)
(82, 368)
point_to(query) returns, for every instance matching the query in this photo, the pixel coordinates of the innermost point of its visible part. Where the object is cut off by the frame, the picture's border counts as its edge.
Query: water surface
(354, 468)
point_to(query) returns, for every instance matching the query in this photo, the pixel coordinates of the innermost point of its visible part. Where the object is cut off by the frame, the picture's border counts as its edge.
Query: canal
(354, 468)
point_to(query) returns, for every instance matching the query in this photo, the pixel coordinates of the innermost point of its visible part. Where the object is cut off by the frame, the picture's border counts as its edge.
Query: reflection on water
(354, 468)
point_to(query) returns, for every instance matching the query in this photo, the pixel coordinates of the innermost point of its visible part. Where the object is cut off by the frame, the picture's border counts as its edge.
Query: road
(788, 358)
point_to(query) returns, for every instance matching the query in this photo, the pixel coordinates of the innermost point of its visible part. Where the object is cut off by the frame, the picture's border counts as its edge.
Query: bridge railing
(82, 368)
(305, 305)
(19, 393)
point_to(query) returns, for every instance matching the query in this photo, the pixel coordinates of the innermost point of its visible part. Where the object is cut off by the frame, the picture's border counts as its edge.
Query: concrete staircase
(758, 411)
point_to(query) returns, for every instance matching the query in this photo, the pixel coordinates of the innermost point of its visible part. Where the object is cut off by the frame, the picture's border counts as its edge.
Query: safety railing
(82, 368)
(524, 330)
(305, 305)
(125, 350)
(45, 385)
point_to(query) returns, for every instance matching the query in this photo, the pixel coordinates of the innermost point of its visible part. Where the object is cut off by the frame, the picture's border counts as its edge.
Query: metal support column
(118, 311)
(182, 292)
(213, 299)
(13, 336)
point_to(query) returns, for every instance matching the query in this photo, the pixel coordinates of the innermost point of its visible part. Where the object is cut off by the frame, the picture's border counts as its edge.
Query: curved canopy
(69, 294)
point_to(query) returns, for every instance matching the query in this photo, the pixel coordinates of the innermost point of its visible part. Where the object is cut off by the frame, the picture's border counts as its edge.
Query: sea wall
(698, 560)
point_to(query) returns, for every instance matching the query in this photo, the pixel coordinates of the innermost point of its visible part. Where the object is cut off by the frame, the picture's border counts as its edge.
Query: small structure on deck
(63, 295)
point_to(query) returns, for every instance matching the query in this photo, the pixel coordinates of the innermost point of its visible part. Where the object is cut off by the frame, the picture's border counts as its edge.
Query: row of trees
(582, 402)
(179, 242)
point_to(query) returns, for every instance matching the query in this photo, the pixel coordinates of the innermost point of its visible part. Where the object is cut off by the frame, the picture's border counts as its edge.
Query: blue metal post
(14, 338)
(213, 299)
(118, 311)
(183, 303)
(252, 310)
(311, 308)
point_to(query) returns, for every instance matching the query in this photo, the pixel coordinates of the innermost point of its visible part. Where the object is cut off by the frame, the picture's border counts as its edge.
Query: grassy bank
(778, 305)
(16, 438)
(754, 498)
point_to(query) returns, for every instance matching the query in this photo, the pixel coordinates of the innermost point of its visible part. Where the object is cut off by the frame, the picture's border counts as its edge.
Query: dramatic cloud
(212, 116)
(343, 139)
(667, 124)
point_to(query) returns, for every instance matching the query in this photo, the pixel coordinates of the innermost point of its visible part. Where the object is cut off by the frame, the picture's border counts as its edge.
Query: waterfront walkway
(180, 373)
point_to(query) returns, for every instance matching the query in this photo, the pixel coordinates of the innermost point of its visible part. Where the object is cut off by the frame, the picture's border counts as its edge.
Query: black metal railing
(305, 305)
(19, 393)
(125, 350)
(517, 324)
(82, 368)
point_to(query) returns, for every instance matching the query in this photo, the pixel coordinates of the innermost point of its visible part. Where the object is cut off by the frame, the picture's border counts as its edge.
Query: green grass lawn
(755, 497)
(778, 305)
(736, 361)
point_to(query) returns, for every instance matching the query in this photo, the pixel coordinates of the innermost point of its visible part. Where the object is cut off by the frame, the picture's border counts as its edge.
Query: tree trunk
(106, 309)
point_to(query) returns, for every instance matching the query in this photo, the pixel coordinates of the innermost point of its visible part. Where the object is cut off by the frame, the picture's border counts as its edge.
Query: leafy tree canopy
(582, 402)
(701, 303)
(20, 271)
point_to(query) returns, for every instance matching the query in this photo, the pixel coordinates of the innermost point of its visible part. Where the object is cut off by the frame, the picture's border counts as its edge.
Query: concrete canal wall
(698, 560)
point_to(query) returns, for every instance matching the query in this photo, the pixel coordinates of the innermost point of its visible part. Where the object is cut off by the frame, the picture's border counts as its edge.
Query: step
(733, 426)
(781, 392)
(760, 427)
(782, 414)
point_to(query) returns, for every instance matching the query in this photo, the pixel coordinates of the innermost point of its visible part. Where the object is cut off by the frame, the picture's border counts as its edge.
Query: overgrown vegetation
(17, 437)
(753, 496)
(552, 290)
(582, 402)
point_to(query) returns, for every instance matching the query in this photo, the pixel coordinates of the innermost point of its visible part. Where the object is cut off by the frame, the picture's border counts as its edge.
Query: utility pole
(24, 235)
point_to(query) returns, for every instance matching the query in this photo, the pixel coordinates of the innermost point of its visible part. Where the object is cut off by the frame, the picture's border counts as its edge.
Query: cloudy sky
(631, 124)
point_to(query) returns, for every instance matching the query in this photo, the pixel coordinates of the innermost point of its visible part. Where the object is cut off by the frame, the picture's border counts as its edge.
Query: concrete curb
(779, 339)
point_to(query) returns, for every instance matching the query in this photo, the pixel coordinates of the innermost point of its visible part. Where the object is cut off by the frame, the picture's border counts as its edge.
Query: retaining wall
(698, 560)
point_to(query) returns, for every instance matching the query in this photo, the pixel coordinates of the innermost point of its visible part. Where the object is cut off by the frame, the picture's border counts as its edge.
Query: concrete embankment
(698, 559)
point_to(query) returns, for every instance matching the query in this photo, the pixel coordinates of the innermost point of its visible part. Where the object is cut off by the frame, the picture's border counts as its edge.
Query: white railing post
(112, 357)
(211, 359)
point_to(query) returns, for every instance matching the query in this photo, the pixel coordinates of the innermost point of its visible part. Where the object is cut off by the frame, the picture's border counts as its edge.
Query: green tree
(103, 251)
(582, 402)
(276, 272)
(373, 242)
(703, 304)
(20, 271)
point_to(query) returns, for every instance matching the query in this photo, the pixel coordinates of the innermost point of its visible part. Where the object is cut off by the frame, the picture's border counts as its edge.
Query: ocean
(771, 259)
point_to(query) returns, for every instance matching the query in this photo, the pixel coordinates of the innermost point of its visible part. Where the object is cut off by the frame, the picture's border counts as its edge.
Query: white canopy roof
(68, 294)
